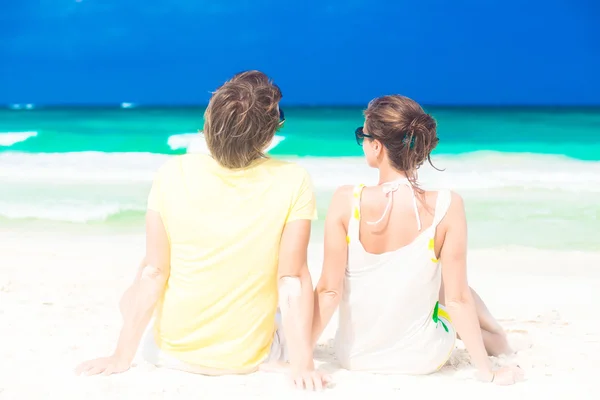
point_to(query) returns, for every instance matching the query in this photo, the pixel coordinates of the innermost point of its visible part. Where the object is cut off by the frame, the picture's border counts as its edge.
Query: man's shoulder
(287, 170)
(169, 166)
(177, 163)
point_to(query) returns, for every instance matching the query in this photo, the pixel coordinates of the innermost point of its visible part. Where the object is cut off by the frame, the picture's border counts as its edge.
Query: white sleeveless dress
(390, 320)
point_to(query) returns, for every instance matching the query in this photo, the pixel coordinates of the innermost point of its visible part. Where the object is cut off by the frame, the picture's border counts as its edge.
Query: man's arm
(130, 293)
(150, 287)
(295, 293)
(142, 298)
(296, 303)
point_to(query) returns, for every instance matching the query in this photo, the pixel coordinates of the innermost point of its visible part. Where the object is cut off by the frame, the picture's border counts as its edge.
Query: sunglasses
(360, 135)
(281, 118)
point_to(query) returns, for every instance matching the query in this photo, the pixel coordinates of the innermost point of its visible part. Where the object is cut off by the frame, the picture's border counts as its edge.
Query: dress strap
(442, 204)
(388, 189)
(356, 193)
(354, 223)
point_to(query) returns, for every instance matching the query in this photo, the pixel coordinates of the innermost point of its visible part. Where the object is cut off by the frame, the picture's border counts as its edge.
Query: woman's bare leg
(486, 319)
(494, 336)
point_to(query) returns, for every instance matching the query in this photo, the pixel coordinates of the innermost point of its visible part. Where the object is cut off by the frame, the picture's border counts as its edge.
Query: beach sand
(58, 307)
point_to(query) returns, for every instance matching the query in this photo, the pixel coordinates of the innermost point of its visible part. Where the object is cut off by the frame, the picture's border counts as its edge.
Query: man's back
(222, 231)
(224, 227)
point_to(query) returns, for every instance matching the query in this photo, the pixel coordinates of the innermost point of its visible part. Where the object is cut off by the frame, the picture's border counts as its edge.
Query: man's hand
(105, 366)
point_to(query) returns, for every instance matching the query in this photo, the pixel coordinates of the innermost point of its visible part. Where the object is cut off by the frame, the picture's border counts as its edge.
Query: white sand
(58, 306)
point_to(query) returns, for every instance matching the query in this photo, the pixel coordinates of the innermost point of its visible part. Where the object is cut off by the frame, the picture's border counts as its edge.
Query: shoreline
(136, 227)
(137, 234)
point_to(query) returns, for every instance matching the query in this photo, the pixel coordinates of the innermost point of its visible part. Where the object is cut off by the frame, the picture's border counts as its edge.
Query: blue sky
(320, 52)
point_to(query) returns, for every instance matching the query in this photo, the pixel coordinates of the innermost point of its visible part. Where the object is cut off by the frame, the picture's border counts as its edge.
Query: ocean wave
(472, 171)
(87, 166)
(92, 187)
(489, 170)
(7, 139)
(68, 212)
(195, 143)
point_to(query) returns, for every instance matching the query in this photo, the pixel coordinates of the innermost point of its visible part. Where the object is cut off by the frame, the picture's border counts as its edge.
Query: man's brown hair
(241, 119)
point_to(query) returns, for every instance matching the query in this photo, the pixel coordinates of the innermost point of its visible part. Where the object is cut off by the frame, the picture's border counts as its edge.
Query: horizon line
(133, 106)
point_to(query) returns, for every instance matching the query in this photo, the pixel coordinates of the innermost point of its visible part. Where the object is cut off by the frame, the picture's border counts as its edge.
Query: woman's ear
(377, 147)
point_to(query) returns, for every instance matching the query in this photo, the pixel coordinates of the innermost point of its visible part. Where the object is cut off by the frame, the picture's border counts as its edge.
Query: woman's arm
(459, 300)
(331, 284)
(143, 296)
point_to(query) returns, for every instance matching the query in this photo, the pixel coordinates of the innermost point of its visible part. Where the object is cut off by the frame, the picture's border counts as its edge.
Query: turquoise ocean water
(530, 177)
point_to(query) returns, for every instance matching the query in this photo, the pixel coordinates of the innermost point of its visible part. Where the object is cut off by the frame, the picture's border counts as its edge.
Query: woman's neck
(389, 174)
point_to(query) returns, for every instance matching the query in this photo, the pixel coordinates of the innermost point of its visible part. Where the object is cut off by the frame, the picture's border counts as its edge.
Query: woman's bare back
(399, 228)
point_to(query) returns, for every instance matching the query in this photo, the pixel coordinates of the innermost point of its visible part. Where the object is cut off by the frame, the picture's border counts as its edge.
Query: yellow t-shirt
(224, 227)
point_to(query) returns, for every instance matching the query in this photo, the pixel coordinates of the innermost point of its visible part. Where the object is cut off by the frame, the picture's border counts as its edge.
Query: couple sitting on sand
(225, 286)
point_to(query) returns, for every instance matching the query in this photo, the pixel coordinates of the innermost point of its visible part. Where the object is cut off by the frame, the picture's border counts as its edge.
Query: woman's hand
(105, 366)
(504, 376)
(508, 376)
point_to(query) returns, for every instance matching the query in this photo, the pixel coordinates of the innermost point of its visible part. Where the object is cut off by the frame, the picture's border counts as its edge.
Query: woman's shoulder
(345, 191)
(457, 204)
(450, 207)
(455, 197)
(343, 195)
(446, 195)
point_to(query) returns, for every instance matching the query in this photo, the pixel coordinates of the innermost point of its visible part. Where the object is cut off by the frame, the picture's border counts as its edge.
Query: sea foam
(527, 199)
(195, 143)
(7, 139)
(65, 212)
(473, 171)
(478, 171)
(87, 166)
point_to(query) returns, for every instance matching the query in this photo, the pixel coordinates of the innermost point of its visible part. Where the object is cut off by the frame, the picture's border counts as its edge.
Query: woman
(224, 233)
(383, 249)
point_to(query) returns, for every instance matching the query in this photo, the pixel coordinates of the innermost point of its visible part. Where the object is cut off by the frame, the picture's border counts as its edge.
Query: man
(226, 238)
